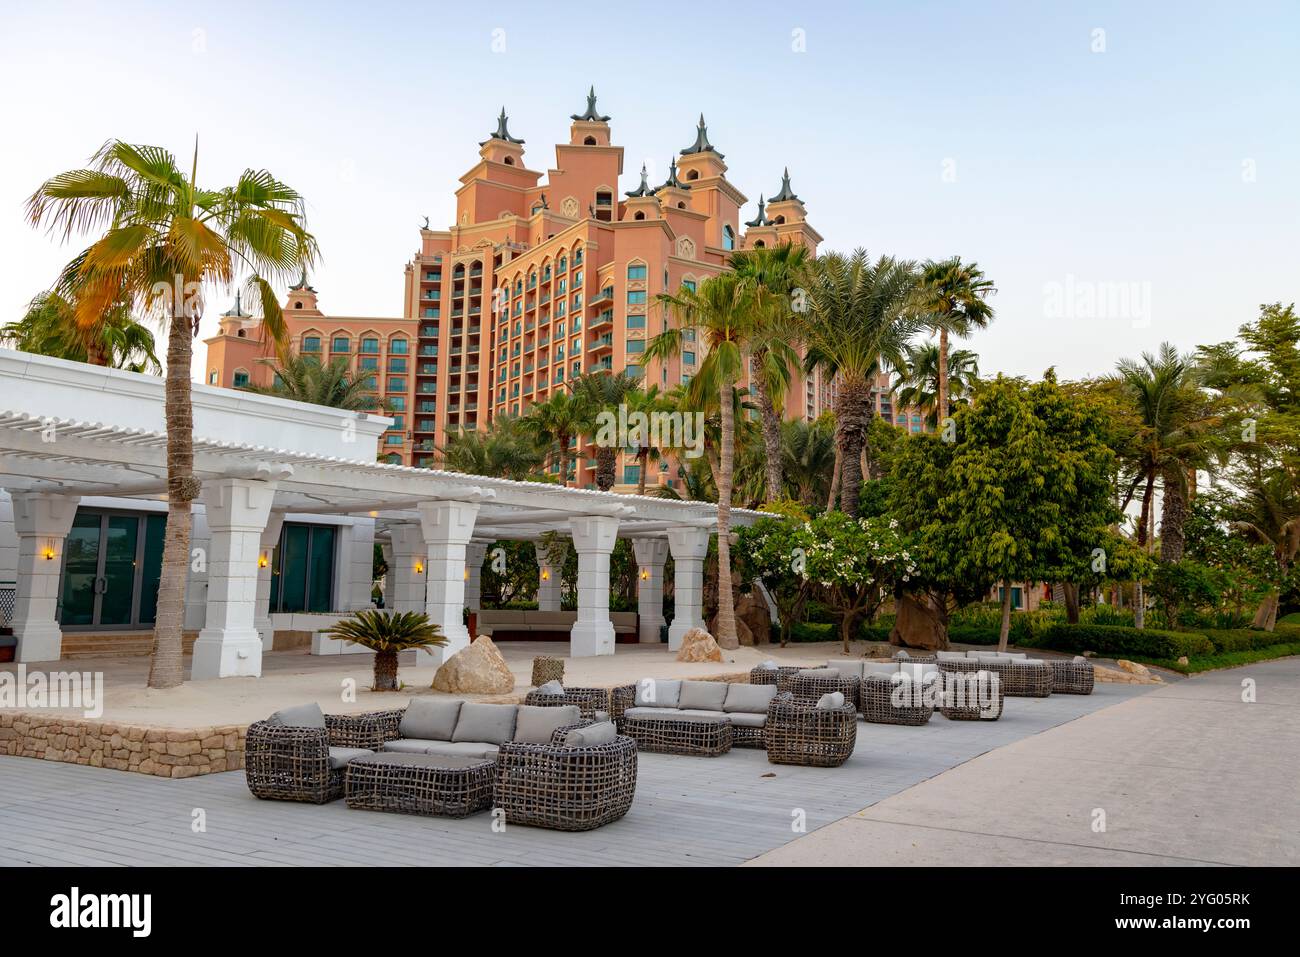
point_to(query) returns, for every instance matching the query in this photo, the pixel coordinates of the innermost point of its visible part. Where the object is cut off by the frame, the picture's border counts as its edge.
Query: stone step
(133, 644)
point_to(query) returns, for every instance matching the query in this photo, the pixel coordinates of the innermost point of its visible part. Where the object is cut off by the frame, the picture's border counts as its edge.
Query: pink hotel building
(534, 284)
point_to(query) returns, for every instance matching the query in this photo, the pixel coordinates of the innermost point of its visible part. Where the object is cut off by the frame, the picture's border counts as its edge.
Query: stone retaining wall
(161, 752)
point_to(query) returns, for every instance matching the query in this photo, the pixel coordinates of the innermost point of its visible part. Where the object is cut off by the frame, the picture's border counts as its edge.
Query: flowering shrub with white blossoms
(846, 553)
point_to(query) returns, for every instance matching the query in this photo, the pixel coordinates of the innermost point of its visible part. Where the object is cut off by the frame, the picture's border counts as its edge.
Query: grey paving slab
(688, 811)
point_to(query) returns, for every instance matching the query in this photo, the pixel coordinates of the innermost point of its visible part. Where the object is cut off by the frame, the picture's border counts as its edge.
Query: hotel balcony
(601, 343)
(606, 318)
(476, 271)
(428, 350)
(606, 295)
(427, 407)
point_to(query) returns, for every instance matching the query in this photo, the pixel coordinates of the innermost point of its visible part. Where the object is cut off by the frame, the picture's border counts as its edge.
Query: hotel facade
(543, 276)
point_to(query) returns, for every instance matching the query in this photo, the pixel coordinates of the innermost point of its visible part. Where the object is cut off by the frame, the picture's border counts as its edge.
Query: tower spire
(761, 219)
(701, 144)
(502, 131)
(672, 180)
(301, 284)
(592, 115)
(786, 193)
(644, 189)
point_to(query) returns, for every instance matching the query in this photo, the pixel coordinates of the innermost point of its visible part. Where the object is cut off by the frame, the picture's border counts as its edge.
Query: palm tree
(859, 314)
(808, 451)
(115, 339)
(164, 238)
(773, 273)
(1269, 513)
(506, 449)
(554, 424)
(652, 403)
(306, 379)
(386, 634)
(599, 394)
(721, 314)
(918, 382)
(952, 295)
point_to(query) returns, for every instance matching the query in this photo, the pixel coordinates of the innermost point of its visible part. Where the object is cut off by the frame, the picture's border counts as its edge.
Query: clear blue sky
(1167, 166)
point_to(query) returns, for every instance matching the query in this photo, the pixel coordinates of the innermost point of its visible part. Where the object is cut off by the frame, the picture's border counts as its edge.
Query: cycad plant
(386, 634)
(307, 379)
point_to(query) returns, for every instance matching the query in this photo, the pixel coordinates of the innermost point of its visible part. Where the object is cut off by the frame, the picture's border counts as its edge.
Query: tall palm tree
(598, 395)
(506, 449)
(650, 402)
(306, 379)
(722, 316)
(163, 238)
(554, 424)
(1269, 513)
(859, 314)
(808, 452)
(774, 273)
(953, 296)
(918, 382)
(115, 338)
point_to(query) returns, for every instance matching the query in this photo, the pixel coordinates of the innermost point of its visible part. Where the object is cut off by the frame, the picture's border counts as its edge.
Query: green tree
(599, 395)
(505, 449)
(768, 551)
(808, 455)
(164, 237)
(387, 634)
(554, 424)
(332, 384)
(918, 382)
(953, 296)
(49, 327)
(651, 403)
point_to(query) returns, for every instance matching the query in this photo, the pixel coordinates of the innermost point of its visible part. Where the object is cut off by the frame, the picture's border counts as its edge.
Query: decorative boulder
(478, 669)
(919, 623)
(698, 645)
(752, 610)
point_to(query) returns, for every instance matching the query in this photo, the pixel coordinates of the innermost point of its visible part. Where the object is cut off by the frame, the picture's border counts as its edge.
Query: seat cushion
(753, 699)
(703, 695)
(433, 718)
(464, 749)
(339, 757)
(833, 700)
(535, 725)
(918, 670)
(950, 655)
(299, 716)
(491, 723)
(880, 667)
(820, 673)
(593, 734)
(641, 711)
(410, 745)
(658, 693)
(745, 719)
(700, 714)
(849, 669)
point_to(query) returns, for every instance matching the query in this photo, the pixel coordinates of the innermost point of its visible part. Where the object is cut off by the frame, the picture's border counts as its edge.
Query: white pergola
(69, 431)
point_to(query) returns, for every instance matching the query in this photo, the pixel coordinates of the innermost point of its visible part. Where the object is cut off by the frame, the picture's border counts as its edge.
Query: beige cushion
(535, 725)
(299, 716)
(658, 692)
(849, 669)
(703, 695)
(821, 673)
(602, 733)
(746, 720)
(551, 687)
(918, 671)
(339, 757)
(430, 718)
(463, 749)
(833, 700)
(950, 655)
(701, 714)
(492, 723)
(410, 745)
(880, 668)
(640, 711)
(753, 699)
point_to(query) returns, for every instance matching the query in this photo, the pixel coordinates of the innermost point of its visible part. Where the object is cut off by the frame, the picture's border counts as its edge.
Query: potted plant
(386, 634)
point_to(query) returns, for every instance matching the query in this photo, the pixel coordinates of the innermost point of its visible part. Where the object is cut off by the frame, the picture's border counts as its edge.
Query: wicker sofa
(592, 702)
(682, 716)
(301, 753)
(805, 734)
(1021, 676)
(1072, 675)
(897, 692)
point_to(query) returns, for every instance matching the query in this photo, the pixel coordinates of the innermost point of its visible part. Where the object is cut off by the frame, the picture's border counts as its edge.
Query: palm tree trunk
(726, 636)
(1004, 631)
(835, 477)
(941, 400)
(165, 668)
(852, 416)
(771, 422)
(605, 462)
(386, 670)
(643, 462)
(1173, 513)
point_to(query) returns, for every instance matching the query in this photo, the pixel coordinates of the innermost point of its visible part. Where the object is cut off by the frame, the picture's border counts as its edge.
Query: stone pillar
(475, 552)
(593, 633)
(550, 582)
(689, 546)
(41, 523)
(229, 645)
(266, 551)
(447, 527)
(357, 556)
(651, 553)
(406, 572)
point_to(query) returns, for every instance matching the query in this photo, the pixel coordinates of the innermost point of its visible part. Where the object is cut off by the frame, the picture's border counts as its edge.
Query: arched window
(693, 174)
(780, 220)
(589, 141)
(639, 215)
(509, 161)
(728, 238)
(760, 244)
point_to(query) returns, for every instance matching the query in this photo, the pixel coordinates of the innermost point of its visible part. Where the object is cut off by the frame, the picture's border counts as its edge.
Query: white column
(651, 553)
(475, 552)
(406, 573)
(42, 523)
(266, 551)
(689, 546)
(229, 645)
(550, 581)
(593, 633)
(357, 558)
(447, 527)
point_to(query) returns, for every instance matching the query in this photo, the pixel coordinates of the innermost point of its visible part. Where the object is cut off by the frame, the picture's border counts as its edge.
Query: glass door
(81, 569)
(112, 561)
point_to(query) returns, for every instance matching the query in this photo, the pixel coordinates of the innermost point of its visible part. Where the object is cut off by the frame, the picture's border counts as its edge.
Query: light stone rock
(477, 669)
(1133, 668)
(698, 645)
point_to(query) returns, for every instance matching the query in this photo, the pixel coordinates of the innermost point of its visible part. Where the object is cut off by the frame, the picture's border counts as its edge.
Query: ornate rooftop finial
(644, 189)
(301, 284)
(786, 192)
(545, 204)
(502, 132)
(591, 114)
(701, 144)
(672, 179)
(761, 219)
(426, 223)
(237, 312)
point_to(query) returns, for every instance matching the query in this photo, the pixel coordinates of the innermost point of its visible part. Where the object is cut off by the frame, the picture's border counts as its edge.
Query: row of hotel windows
(366, 346)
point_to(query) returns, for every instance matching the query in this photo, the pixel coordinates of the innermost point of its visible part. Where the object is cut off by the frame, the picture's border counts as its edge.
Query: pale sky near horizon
(1126, 173)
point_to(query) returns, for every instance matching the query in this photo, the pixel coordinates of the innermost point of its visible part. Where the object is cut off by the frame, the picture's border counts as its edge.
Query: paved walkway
(1188, 774)
(706, 811)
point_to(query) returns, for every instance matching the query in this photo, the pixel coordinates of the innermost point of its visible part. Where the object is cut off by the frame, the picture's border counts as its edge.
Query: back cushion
(950, 655)
(919, 671)
(880, 667)
(753, 699)
(535, 725)
(490, 723)
(601, 733)
(821, 673)
(299, 716)
(850, 669)
(833, 700)
(657, 693)
(430, 718)
(703, 695)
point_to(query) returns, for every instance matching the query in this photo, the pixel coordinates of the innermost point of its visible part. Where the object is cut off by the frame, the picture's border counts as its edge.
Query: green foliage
(1116, 642)
(50, 327)
(332, 384)
(388, 631)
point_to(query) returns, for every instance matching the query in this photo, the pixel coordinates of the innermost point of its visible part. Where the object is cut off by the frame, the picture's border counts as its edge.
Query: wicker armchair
(620, 699)
(588, 700)
(563, 788)
(962, 703)
(293, 764)
(808, 689)
(1019, 679)
(1072, 676)
(876, 702)
(772, 676)
(797, 733)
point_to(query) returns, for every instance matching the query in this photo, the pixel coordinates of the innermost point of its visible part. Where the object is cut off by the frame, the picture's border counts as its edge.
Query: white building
(293, 502)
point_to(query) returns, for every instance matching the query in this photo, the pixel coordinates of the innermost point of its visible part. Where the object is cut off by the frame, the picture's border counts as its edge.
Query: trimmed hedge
(1228, 640)
(1116, 641)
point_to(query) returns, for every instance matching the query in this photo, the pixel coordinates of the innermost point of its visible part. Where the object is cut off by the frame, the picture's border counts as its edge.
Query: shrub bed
(1115, 641)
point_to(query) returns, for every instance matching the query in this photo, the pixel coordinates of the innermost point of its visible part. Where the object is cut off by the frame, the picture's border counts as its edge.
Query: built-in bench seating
(514, 624)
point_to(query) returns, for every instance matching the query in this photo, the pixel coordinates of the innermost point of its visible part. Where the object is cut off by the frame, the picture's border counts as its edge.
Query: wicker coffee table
(438, 784)
(681, 735)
